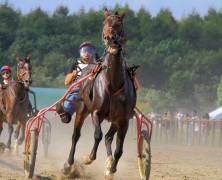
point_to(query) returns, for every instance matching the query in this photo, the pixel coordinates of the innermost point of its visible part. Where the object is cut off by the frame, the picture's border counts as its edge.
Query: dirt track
(168, 162)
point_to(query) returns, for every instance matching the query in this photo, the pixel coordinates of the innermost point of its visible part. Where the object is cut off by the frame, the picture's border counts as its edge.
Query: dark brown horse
(14, 103)
(113, 97)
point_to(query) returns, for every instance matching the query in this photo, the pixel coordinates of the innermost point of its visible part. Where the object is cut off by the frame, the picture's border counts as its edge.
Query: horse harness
(120, 36)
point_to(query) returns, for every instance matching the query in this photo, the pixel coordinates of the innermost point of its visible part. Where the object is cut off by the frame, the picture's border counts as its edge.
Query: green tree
(144, 24)
(190, 29)
(8, 26)
(211, 38)
(219, 94)
(164, 26)
(38, 22)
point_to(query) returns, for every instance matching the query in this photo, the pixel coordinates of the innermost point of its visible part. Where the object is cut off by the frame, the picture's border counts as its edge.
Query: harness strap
(108, 92)
(107, 89)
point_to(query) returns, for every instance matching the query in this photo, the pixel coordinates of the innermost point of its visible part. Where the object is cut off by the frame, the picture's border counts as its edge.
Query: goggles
(5, 72)
(86, 49)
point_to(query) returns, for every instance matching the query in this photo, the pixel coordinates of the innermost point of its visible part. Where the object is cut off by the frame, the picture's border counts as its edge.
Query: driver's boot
(64, 115)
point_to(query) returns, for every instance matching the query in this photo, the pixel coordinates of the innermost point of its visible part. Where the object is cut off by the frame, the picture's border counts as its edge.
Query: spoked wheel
(144, 159)
(30, 154)
(46, 140)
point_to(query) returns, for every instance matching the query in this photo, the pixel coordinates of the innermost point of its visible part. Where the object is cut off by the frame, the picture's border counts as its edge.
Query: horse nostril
(112, 38)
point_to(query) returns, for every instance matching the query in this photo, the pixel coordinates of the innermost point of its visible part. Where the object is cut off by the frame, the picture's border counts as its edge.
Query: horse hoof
(67, 169)
(2, 147)
(87, 159)
(109, 176)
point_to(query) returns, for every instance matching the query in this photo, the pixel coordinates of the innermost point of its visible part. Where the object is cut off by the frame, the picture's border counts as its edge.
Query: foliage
(180, 60)
(219, 94)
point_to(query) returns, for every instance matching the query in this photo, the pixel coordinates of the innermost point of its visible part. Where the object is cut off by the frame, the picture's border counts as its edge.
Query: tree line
(180, 60)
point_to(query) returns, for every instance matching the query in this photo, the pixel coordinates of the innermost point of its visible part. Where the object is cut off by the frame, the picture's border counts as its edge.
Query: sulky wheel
(144, 158)
(46, 140)
(30, 154)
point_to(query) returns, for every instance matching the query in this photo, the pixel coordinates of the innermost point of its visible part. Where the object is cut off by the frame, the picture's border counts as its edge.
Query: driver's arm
(70, 77)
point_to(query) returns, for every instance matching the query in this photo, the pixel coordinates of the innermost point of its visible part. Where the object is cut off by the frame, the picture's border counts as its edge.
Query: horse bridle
(120, 36)
(20, 75)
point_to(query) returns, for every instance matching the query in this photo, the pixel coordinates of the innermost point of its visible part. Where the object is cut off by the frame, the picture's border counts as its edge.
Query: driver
(7, 80)
(87, 55)
(7, 77)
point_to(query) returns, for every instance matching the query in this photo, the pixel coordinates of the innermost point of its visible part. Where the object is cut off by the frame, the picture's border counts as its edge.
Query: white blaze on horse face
(24, 73)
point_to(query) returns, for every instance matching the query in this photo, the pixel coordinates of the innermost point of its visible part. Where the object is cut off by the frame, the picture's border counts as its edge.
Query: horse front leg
(121, 133)
(75, 137)
(10, 131)
(22, 134)
(19, 128)
(2, 145)
(108, 142)
(1, 123)
(89, 158)
(16, 135)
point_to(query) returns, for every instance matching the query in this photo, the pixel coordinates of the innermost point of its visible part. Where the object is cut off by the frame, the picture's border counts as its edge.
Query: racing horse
(14, 103)
(113, 97)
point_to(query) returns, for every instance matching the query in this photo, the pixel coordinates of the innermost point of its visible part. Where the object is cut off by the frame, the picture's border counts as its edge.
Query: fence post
(156, 127)
(206, 134)
(199, 132)
(220, 134)
(187, 130)
(193, 133)
(213, 132)
(170, 131)
(176, 127)
(181, 133)
(161, 130)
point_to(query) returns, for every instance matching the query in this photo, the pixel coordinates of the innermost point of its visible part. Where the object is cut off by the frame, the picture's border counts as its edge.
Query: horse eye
(119, 23)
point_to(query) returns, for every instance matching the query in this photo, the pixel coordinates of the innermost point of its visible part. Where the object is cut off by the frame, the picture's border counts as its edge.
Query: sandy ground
(169, 162)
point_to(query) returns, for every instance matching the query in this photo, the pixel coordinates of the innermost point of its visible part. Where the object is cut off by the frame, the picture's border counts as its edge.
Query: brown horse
(113, 97)
(14, 103)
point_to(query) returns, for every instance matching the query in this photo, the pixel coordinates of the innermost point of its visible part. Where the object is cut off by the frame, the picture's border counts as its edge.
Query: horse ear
(106, 13)
(28, 58)
(123, 15)
(17, 58)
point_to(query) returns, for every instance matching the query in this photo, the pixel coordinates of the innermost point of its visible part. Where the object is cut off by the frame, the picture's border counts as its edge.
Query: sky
(179, 8)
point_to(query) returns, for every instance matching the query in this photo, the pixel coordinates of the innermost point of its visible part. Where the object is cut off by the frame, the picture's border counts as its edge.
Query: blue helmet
(5, 67)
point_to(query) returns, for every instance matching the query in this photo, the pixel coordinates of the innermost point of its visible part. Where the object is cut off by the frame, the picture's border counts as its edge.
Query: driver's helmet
(5, 68)
(86, 47)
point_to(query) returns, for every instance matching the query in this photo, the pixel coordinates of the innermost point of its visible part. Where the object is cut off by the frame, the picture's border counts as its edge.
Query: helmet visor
(86, 49)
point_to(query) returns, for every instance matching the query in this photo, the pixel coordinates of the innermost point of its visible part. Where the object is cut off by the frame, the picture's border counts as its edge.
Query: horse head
(24, 71)
(113, 32)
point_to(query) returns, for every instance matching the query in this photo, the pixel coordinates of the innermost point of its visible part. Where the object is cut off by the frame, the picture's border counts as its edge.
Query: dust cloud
(169, 162)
